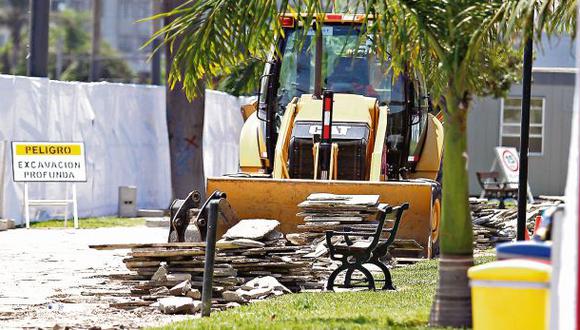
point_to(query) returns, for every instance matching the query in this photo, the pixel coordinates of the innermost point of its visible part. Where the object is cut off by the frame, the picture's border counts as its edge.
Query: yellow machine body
(278, 199)
(259, 194)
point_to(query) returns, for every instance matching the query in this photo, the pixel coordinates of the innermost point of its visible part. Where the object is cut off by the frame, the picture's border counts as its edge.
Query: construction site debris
(492, 225)
(251, 229)
(255, 261)
(177, 305)
(180, 289)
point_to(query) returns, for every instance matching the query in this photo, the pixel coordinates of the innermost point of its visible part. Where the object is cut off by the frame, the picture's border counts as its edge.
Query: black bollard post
(210, 240)
(525, 135)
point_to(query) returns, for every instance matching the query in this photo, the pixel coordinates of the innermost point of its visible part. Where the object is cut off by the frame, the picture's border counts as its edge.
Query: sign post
(49, 162)
(509, 164)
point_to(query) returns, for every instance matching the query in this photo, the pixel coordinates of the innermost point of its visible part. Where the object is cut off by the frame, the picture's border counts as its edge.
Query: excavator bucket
(278, 199)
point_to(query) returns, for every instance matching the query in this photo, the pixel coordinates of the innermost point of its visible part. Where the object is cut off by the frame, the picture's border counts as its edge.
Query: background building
(494, 122)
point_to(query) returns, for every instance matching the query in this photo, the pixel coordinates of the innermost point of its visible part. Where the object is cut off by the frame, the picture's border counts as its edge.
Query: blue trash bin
(538, 250)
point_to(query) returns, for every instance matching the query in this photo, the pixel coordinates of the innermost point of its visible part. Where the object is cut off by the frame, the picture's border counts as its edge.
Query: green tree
(70, 39)
(69, 43)
(465, 48)
(13, 16)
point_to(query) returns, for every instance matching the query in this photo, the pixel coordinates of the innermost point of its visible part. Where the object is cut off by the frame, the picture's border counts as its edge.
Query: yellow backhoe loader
(331, 118)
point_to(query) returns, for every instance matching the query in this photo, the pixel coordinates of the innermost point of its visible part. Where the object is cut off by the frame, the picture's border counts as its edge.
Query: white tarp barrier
(221, 132)
(565, 258)
(124, 129)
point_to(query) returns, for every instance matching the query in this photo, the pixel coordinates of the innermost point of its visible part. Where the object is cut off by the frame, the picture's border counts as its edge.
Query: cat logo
(336, 130)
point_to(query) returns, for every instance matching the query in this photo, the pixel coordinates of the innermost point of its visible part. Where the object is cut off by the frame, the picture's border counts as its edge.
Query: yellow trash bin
(510, 294)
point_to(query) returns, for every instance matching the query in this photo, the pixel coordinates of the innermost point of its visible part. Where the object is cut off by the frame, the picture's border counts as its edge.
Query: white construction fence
(124, 130)
(222, 126)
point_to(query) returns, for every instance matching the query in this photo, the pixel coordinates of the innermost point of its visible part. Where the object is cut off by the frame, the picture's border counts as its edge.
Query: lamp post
(38, 58)
(525, 131)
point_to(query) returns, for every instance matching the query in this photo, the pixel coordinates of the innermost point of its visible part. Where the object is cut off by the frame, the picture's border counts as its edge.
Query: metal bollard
(210, 240)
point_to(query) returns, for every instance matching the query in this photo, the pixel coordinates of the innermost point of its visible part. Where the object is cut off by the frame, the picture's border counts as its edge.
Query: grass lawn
(91, 223)
(406, 308)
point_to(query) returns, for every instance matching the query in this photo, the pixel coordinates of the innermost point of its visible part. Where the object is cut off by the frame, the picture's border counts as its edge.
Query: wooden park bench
(493, 187)
(354, 255)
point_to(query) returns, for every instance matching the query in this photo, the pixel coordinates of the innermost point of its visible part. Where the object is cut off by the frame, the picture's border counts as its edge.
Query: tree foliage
(68, 38)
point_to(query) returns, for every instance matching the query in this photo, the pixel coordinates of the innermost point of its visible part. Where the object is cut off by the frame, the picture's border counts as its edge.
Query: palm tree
(465, 48)
(184, 122)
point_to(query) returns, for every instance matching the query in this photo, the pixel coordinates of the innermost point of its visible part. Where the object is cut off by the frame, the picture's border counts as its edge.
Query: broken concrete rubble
(177, 305)
(254, 293)
(492, 225)
(178, 277)
(254, 229)
(161, 274)
(160, 291)
(233, 296)
(193, 293)
(243, 242)
(180, 289)
(265, 282)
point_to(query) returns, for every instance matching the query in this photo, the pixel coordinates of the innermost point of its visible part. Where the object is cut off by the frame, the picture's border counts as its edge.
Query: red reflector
(327, 104)
(326, 132)
(333, 17)
(287, 21)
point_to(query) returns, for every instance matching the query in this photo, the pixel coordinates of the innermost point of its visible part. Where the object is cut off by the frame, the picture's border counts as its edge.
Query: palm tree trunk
(185, 128)
(452, 305)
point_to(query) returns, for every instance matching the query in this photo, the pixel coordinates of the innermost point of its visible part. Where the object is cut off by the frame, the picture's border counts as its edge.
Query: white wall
(123, 127)
(221, 132)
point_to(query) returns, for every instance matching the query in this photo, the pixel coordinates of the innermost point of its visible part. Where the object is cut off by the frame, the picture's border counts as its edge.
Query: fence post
(209, 257)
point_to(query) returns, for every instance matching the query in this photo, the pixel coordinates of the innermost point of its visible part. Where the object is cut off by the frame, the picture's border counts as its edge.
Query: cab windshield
(349, 65)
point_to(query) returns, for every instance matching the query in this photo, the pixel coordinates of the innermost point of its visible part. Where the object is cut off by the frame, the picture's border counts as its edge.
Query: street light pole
(525, 131)
(38, 57)
(95, 72)
(156, 58)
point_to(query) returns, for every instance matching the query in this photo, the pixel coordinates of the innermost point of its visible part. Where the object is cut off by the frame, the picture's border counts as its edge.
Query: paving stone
(255, 293)
(180, 289)
(233, 296)
(176, 305)
(193, 293)
(160, 291)
(160, 275)
(265, 282)
(254, 229)
(178, 277)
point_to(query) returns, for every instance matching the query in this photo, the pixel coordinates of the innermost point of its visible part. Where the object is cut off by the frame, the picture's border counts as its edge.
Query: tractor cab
(346, 64)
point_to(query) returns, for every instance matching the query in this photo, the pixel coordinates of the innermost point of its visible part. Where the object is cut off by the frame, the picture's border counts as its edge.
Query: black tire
(436, 203)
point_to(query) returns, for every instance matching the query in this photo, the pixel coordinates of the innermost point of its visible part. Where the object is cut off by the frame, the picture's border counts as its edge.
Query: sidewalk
(51, 277)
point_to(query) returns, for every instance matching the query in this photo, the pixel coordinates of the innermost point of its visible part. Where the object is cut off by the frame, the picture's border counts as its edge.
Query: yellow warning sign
(39, 161)
(48, 149)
